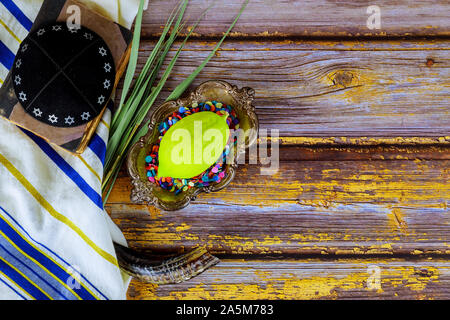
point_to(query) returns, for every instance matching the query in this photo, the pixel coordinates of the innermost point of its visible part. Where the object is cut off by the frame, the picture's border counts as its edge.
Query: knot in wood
(343, 78)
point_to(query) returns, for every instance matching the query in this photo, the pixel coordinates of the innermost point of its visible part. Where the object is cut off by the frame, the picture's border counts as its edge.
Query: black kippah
(63, 76)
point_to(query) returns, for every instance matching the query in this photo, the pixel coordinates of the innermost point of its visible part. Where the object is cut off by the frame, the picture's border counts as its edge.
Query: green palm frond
(134, 106)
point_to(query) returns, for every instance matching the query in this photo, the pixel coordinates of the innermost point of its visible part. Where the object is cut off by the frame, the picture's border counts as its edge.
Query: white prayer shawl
(56, 240)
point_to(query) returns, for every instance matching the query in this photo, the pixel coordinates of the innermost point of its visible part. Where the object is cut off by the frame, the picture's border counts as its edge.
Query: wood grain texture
(364, 158)
(339, 90)
(308, 18)
(309, 279)
(307, 207)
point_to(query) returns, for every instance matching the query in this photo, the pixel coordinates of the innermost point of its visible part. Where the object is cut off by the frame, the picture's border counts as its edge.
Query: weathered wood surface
(313, 206)
(310, 279)
(309, 18)
(366, 202)
(364, 174)
(333, 89)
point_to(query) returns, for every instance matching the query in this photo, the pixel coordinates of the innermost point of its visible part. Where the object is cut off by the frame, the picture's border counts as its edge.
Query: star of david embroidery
(69, 120)
(85, 116)
(37, 112)
(52, 118)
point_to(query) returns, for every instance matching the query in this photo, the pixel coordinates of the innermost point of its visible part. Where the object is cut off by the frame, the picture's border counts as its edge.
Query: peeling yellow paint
(182, 227)
(360, 141)
(379, 188)
(288, 285)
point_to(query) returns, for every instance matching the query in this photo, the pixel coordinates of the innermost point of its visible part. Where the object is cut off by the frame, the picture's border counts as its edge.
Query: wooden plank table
(363, 185)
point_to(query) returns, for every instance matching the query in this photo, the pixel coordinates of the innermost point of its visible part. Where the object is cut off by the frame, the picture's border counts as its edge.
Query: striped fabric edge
(57, 259)
(30, 8)
(12, 287)
(65, 167)
(93, 161)
(17, 257)
(51, 210)
(103, 132)
(90, 168)
(42, 259)
(18, 14)
(10, 32)
(103, 122)
(98, 146)
(6, 56)
(11, 21)
(3, 74)
(20, 280)
(93, 154)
